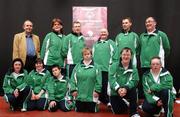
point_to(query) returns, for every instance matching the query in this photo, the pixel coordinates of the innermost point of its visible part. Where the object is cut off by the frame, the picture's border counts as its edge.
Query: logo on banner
(92, 19)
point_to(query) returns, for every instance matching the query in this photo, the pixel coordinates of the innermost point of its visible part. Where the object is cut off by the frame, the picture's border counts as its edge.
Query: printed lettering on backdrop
(92, 20)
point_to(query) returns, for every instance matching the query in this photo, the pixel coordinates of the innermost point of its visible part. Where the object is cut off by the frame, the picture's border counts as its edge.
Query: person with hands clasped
(16, 91)
(158, 89)
(37, 80)
(123, 82)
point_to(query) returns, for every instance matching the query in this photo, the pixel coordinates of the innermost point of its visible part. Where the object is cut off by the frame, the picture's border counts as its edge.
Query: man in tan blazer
(26, 46)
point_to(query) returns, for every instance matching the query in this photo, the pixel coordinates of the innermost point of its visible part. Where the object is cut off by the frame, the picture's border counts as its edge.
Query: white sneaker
(11, 108)
(140, 107)
(162, 110)
(136, 115)
(157, 115)
(109, 105)
(23, 110)
(98, 102)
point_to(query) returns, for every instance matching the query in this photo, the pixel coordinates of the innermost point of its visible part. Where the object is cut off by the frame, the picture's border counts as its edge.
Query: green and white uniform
(104, 53)
(122, 78)
(72, 48)
(153, 44)
(51, 51)
(85, 80)
(38, 81)
(159, 89)
(131, 40)
(58, 91)
(11, 83)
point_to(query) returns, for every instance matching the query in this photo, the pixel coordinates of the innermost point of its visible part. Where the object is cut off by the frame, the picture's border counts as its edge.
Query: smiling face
(126, 24)
(104, 34)
(39, 66)
(126, 56)
(17, 66)
(28, 27)
(150, 24)
(57, 27)
(156, 65)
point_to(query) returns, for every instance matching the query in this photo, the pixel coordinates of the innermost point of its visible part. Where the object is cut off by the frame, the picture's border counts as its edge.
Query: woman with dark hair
(51, 51)
(37, 80)
(16, 91)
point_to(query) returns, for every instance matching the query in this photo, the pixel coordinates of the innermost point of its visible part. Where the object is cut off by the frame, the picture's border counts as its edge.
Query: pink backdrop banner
(92, 20)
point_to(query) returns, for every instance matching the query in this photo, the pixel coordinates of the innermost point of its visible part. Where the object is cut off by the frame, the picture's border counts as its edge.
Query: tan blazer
(19, 46)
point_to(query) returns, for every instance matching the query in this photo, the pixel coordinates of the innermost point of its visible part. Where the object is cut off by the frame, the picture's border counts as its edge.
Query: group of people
(65, 74)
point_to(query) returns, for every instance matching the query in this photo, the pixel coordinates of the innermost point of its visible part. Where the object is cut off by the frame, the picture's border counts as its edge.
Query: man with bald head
(26, 46)
(104, 53)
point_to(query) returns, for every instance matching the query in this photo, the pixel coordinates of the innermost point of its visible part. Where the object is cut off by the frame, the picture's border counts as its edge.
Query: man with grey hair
(104, 53)
(26, 46)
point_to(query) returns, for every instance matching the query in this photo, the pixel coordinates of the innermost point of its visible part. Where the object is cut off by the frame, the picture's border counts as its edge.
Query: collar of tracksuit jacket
(76, 34)
(153, 33)
(91, 65)
(130, 67)
(126, 33)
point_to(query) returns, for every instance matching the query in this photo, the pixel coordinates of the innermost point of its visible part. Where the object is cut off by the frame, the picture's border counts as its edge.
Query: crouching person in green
(16, 91)
(37, 80)
(123, 82)
(86, 83)
(158, 89)
(58, 92)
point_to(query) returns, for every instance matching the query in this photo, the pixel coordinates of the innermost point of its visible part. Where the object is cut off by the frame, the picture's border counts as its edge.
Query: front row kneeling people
(27, 92)
(30, 92)
(16, 91)
(123, 82)
(38, 80)
(59, 97)
(158, 89)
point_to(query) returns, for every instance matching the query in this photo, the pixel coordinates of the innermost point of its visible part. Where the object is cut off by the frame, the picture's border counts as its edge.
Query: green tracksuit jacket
(85, 80)
(51, 51)
(150, 88)
(104, 53)
(57, 89)
(131, 40)
(166, 82)
(155, 44)
(11, 83)
(72, 48)
(121, 78)
(38, 81)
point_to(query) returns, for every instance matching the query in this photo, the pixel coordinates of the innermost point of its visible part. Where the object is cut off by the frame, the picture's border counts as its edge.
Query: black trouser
(85, 106)
(140, 86)
(104, 98)
(40, 104)
(120, 106)
(153, 108)
(19, 102)
(70, 70)
(59, 105)
(30, 63)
